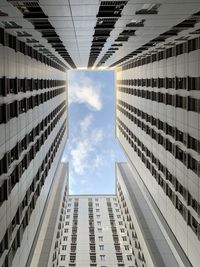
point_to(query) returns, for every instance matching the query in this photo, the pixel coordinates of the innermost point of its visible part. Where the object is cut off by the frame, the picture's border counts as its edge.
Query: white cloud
(80, 153)
(104, 158)
(85, 123)
(84, 90)
(84, 145)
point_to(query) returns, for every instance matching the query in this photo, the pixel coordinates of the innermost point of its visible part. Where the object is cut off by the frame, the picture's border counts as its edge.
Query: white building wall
(104, 252)
(25, 182)
(135, 136)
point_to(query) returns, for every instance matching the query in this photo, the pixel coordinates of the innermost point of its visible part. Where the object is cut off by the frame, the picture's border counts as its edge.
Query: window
(99, 223)
(98, 216)
(67, 216)
(192, 104)
(101, 247)
(3, 193)
(120, 223)
(97, 210)
(129, 257)
(118, 216)
(100, 230)
(192, 45)
(64, 247)
(126, 247)
(122, 230)
(64, 238)
(62, 257)
(100, 238)
(102, 257)
(14, 109)
(124, 238)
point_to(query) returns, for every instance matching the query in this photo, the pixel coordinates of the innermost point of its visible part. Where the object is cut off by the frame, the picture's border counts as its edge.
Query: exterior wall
(92, 235)
(157, 125)
(32, 138)
(151, 238)
(45, 236)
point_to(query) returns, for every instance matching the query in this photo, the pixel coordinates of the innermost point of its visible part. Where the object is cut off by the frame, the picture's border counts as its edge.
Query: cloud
(82, 151)
(84, 145)
(104, 158)
(85, 123)
(84, 91)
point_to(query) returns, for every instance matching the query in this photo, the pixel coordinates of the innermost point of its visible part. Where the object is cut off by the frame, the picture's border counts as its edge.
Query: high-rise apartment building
(154, 47)
(33, 132)
(157, 125)
(52, 220)
(150, 236)
(93, 233)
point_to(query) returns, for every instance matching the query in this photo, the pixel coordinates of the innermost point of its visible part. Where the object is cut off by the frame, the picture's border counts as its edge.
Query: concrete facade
(151, 237)
(33, 132)
(52, 214)
(157, 125)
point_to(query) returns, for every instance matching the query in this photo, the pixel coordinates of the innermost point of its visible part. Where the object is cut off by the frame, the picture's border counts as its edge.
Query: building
(53, 217)
(150, 236)
(154, 49)
(92, 233)
(157, 125)
(33, 132)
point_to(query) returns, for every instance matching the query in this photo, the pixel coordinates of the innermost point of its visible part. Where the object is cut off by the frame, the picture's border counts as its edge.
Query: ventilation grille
(3, 14)
(111, 8)
(23, 34)
(195, 32)
(105, 23)
(186, 24)
(148, 9)
(127, 33)
(24, 3)
(113, 3)
(122, 39)
(10, 25)
(31, 40)
(136, 23)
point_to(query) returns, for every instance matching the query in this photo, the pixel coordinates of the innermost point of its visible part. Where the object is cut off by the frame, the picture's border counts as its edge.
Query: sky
(91, 149)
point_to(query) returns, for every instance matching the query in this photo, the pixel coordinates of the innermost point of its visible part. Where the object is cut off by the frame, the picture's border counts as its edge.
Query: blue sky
(91, 149)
